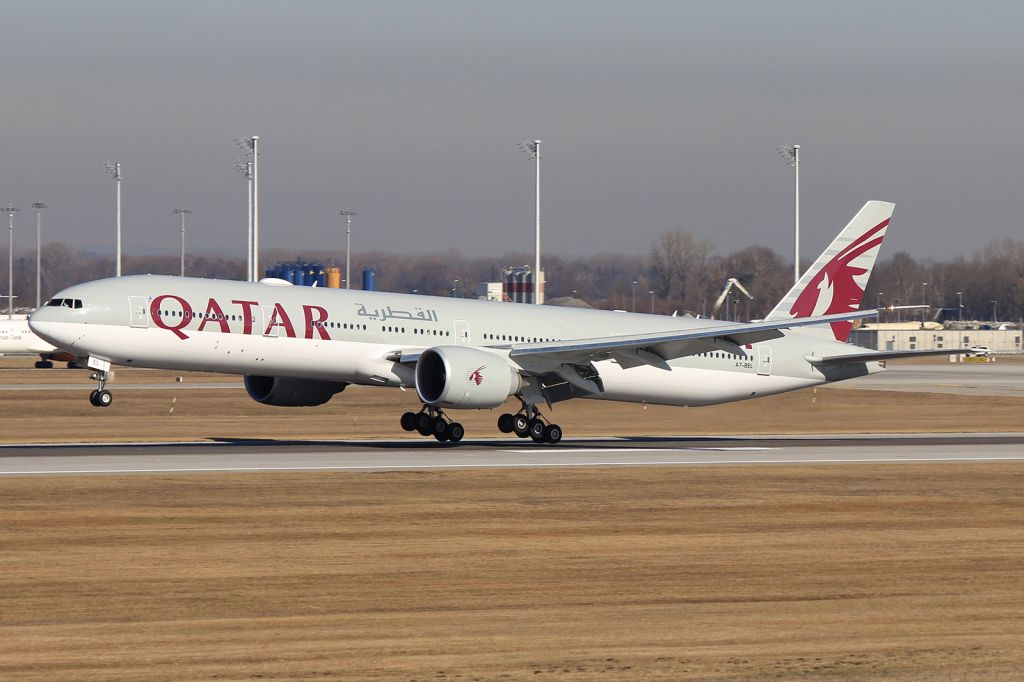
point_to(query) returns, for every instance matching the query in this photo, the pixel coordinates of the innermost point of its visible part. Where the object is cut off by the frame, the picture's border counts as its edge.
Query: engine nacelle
(288, 392)
(464, 377)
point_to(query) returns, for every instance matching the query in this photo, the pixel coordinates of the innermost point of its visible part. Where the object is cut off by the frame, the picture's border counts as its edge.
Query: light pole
(115, 170)
(878, 307)
(532, 149)
(703, 308)
(39, 206)
(455, 288)
(10, 211)
(924, 300)
(245, 168)
(792, 152)
(252, 145)
(348, 213)
(897, 306)
(182, 212)
(994, 312)
(651, 292)
(634, 295)
(960, 307)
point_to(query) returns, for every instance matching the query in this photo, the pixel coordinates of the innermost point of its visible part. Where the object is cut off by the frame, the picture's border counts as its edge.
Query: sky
(653, 116)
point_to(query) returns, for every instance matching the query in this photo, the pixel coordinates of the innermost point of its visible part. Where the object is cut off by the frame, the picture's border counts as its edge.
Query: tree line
(681, 273)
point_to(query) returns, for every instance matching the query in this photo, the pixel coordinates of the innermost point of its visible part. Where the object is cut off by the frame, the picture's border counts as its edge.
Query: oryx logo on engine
(476, 376)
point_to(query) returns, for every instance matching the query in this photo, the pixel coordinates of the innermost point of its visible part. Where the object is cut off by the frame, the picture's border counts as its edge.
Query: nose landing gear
(100, 397)
(431, 421)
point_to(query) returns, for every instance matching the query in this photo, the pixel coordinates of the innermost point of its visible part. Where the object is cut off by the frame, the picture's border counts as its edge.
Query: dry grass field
(857, 572)
(847, 572)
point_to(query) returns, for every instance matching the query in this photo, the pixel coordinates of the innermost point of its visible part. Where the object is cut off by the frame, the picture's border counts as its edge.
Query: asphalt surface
(422, 455)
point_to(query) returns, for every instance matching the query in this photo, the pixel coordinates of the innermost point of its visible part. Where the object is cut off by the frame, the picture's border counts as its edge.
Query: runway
(414, 455)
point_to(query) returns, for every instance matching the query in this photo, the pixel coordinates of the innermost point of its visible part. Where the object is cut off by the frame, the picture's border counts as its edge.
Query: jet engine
(288, 392)
(464, 377)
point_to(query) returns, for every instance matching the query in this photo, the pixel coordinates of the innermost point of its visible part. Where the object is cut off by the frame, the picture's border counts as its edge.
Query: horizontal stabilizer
(880, 355)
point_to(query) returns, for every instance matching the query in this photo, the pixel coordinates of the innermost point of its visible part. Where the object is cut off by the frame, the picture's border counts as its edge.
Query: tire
(44, 364)
(92, 397)
(521, 425)
(505, 423)
(409, 421)
(536, 430)
(441, 430)
(104, 398)
(424, 425)
(552, 433)
(455, 432)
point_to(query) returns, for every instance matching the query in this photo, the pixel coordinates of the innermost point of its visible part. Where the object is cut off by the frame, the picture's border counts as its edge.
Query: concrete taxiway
(992, 378)
(404, 455)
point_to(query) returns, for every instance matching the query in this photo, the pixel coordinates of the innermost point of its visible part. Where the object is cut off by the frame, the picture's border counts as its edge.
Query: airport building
(518, 285)
(936, 336)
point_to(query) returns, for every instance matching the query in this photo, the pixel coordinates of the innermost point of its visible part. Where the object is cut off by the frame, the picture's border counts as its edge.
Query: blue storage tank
(369, 279)
(300, 273)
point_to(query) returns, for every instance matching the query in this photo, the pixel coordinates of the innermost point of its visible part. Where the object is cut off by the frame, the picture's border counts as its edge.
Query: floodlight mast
(251, 144)
(245, 167)
(532, 149)
(115, 170)
(39, 206)
(792, 152)
(255, 207)
(10, 211)
(347, 213)
(182, 212)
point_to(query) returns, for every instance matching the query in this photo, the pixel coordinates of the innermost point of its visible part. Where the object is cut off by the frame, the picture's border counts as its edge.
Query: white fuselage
(357, 337)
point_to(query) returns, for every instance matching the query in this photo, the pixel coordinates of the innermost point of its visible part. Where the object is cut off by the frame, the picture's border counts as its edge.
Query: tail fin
(836, 281)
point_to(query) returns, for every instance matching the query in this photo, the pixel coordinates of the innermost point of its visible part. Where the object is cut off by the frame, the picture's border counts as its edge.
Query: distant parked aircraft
(16, 338)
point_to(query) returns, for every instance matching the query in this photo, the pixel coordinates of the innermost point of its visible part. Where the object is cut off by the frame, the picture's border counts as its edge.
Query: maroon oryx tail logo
(838, 279)
(476, 375)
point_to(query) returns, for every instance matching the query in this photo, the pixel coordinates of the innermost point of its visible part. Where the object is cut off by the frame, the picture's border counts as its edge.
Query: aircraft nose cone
(43, 327)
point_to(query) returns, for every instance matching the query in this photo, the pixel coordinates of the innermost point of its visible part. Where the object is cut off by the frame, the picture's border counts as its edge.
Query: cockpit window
(65, 303)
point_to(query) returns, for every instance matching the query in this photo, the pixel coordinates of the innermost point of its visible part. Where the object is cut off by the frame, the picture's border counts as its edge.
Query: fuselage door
(461, 332)
(764, 360)
(139, 315)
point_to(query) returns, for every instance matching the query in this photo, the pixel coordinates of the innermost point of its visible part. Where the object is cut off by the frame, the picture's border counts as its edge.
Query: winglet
(836, 281)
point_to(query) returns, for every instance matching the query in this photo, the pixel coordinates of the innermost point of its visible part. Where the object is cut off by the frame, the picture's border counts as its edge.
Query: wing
(564, 369)
(658, 348)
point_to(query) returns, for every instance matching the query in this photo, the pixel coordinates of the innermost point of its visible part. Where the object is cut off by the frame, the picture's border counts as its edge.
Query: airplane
(17, 339)
(300, 346)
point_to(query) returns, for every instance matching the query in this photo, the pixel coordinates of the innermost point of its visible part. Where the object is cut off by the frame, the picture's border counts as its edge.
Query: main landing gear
(431, 421)
(44, 364)
(100, 397)
(528, 422)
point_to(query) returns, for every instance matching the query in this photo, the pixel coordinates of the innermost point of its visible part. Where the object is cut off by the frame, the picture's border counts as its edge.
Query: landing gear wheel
(521, 425)
(44, 364)
(536, 430)
(441, 430)
(455, 432)
(552, 433)
(424, 424)
(103, 398)
(92, 397)
(409, 421)
(505, 423)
